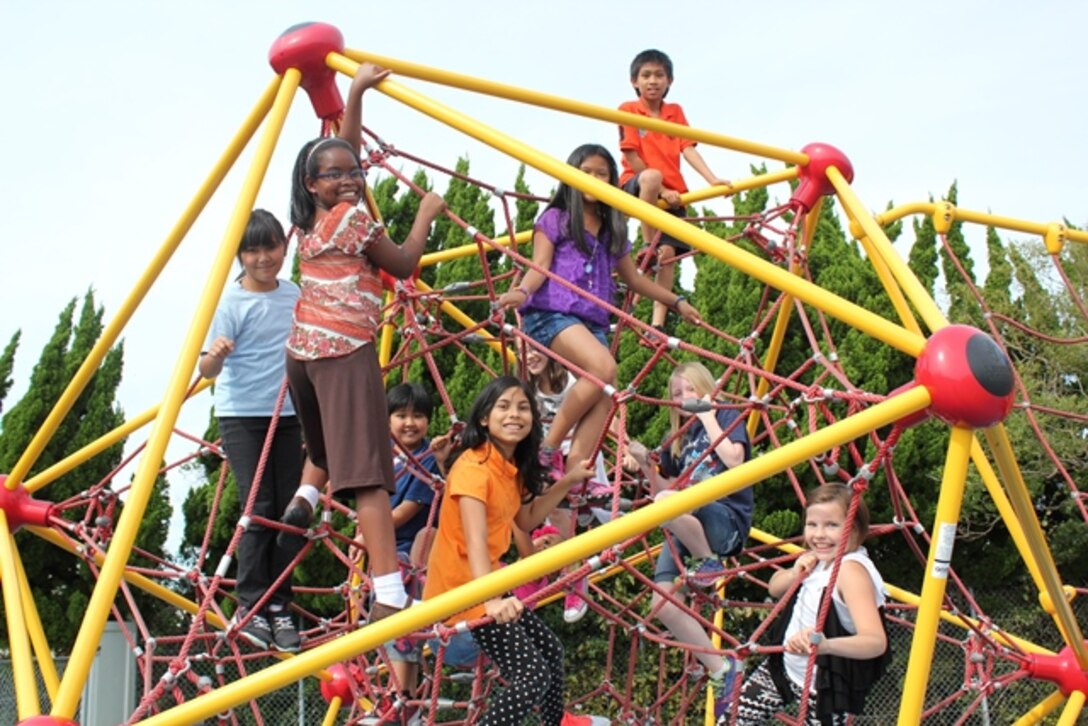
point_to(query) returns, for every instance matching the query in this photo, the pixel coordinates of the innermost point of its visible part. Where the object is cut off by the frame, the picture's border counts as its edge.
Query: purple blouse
(592, 273)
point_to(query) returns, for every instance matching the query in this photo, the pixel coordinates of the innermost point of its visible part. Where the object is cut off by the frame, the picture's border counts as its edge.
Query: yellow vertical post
(22, 664)
(128, 307)
(75, 675)
(1020, 499)
(936, 575)
(332, 711)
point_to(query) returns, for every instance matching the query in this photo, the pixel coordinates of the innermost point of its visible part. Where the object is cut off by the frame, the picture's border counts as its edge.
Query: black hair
(263, 232)
(613, 223)
(303, 207)
(526, 453)
(651, 56)
(410, 396)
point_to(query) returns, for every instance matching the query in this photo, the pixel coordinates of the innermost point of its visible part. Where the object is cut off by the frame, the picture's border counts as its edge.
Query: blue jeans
(725, 533)
(543, 325)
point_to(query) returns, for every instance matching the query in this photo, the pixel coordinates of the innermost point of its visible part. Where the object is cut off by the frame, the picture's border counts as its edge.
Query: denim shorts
(543, 325)
(461, 650)
(725, 533)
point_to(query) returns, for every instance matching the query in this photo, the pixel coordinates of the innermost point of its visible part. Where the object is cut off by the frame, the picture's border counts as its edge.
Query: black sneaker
(285, 636)
(257, 630)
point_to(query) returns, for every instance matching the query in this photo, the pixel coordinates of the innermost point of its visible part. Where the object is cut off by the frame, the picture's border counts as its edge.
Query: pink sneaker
(575, 606)
(571, 719)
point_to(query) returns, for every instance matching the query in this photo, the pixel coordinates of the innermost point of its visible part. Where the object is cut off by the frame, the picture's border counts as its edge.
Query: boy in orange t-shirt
(651, 159)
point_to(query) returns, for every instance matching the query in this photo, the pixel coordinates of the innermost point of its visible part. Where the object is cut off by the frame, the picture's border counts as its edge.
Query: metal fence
(302, 704)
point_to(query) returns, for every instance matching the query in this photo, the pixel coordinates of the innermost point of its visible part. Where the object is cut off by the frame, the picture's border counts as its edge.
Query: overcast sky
(114, 112)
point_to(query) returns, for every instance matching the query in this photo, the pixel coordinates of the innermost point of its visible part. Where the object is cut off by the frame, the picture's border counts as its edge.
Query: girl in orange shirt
(495, 481)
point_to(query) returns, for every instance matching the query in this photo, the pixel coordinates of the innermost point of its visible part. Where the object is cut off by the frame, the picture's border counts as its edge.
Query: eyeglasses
(337, 174)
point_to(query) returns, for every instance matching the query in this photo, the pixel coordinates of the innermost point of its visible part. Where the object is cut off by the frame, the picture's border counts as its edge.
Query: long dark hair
(303, 207)
(526, 459)
(613, 223)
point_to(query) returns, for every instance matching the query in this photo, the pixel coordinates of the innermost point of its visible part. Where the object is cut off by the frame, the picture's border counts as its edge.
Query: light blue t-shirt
(258, 323)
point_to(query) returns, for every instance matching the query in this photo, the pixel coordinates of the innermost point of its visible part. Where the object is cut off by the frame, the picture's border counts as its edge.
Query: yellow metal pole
(785, 311)
(738, 185)
(128, 307)
(1072, 709)
(469, 248)
(887, 280)
(332, 711)
(590, 543)
(458, 316)
(851, 314)
(37, 633)
(1020, 499)
(558, 103)
(936, 575)
(22, 664)
(914, 290)
(1041, 710)
(75, 675)
(1005, 510)
(99, 445)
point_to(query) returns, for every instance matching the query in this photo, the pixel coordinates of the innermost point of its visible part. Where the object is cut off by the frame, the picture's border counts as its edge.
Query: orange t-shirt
(482, 473)
(657, 150)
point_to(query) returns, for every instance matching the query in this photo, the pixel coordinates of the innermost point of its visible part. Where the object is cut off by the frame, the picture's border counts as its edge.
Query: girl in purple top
(582, 240)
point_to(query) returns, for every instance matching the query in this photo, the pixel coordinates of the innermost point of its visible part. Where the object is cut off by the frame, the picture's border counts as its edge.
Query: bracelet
(524, 291)
(676, 303)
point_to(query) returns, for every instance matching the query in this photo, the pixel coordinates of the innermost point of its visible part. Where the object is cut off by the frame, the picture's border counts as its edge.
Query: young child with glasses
(332, 367)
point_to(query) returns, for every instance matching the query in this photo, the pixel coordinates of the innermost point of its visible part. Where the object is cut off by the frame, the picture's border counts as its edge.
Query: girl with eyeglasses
(332, 367)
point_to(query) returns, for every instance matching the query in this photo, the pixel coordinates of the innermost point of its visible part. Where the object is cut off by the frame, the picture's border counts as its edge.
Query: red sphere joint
(305, 47)
(340, 685)
(1061, 669)
(813, 175)
(968, 376)
(20, 508)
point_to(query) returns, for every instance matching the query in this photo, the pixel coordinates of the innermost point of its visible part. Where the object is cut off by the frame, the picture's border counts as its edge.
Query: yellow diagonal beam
(747, 263)
(90, 632)
(139, 291)
(559, 103)
(1041, 710)
(100, 444)
(936, 575)
(1072, 709)
(984, 218)
(913, 289)
(1020, 499)
(37, 633)
(785, 312)
(590, 543)
(22, 664)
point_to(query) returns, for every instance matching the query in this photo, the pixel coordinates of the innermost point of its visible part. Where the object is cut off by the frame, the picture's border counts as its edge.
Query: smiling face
(535, 362)
(510, 420)
(408, 427)
(825, 524)
(262, 265)
(329, 191)
(652, 82)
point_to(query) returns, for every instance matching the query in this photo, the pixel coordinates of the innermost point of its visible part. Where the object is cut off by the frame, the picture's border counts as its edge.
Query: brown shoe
(380, 611)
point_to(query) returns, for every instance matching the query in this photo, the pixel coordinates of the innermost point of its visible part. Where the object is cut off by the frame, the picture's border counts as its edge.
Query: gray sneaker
(285, 636)
(257, 631)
